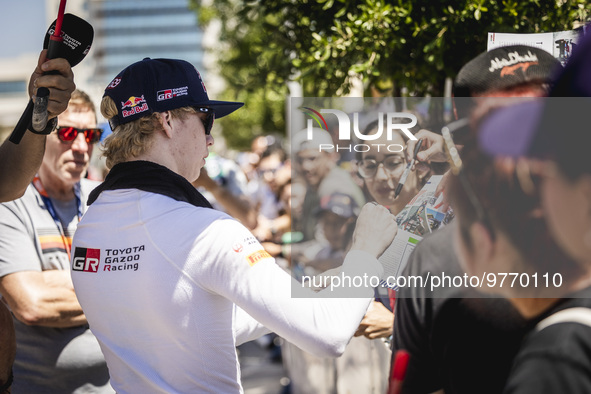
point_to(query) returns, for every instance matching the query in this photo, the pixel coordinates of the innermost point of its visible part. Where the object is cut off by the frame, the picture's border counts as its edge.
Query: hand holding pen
(408, 168)
(432, 148)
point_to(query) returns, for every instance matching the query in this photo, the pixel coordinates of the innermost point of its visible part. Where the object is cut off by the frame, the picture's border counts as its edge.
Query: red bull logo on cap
(133, 103)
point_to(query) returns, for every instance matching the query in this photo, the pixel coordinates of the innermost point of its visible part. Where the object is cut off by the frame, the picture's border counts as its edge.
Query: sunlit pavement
(260, 374)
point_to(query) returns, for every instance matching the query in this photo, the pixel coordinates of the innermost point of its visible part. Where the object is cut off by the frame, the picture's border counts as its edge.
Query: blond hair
(130, 140)
(80, 101)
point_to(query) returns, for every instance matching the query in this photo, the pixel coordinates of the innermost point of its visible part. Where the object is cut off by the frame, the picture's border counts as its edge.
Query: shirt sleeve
(553, 360)
(545, 375)
(412, 326)
(320, 323)
(18, 249)
(246, 328)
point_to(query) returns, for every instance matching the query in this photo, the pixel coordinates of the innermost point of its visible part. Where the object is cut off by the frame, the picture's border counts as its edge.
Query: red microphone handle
(40, 113)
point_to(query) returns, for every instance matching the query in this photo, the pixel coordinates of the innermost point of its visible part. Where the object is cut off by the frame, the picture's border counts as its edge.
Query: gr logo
(164, 95)
(86, 260)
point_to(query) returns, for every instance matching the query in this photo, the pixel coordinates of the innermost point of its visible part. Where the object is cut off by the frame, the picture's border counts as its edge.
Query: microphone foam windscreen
(77, 37)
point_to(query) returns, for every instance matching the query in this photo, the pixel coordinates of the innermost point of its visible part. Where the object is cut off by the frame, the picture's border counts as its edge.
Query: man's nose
(79, 144)
(307, 164)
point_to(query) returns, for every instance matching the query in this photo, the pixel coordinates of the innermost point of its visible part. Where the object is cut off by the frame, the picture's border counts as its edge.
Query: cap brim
(511, 131)
(339, 211)
(222, 108)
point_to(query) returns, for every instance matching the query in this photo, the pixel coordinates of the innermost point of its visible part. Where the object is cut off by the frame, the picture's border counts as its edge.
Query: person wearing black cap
(509, 71)
(501, 236)
(448, 329)
(549, 138)
(171, 286)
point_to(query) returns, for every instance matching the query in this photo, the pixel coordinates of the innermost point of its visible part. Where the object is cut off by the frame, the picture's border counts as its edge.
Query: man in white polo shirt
(171, 286)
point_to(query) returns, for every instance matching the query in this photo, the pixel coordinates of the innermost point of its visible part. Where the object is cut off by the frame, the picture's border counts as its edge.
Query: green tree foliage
(389, 44)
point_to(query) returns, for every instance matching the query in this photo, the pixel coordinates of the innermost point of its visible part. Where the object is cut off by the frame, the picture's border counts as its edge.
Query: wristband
(51, 125)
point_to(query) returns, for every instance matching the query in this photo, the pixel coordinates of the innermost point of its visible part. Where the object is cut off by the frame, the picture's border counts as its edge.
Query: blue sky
(23, 26)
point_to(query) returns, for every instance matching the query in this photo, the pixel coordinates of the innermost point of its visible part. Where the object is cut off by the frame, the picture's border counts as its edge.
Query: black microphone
(77, 35)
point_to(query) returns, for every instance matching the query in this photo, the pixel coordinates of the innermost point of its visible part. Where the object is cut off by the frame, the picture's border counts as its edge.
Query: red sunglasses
(69, 134)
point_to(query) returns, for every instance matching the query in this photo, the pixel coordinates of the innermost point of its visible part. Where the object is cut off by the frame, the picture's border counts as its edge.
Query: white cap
(302, 140)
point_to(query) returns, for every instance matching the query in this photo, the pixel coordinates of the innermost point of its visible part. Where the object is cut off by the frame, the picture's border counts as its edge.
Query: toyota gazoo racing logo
(164, 95)
(386, 124)
(167, 94)
(86, 259)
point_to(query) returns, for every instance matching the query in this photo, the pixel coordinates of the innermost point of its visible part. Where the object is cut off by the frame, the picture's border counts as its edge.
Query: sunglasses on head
(69, 134)
(209, 118)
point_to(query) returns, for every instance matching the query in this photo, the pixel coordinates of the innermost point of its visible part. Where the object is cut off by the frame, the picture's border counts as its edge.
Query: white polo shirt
(159, 281)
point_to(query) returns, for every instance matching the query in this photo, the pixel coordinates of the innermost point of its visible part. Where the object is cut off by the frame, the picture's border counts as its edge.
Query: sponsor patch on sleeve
(257, 256)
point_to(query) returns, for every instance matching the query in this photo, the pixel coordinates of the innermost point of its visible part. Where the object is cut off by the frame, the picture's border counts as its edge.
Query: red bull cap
(157, 85)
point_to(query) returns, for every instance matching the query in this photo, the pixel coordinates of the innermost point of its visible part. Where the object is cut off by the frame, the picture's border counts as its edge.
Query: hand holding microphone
(54, 72)
(41, 102)
(72, 47)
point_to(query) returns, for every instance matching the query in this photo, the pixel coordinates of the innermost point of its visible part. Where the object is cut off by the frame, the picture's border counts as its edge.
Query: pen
(407, 170)
(398, 371)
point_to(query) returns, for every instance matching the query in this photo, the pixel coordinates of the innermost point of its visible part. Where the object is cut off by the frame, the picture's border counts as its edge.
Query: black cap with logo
(157, 85)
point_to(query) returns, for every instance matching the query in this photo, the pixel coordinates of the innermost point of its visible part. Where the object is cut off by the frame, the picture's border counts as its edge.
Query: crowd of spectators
(508, 172)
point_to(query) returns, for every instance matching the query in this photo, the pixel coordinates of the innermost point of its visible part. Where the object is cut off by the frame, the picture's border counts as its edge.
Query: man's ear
(165, 120)
(454, 107)
(473, 246)
(483, 244)
(334, 157)
(585, 185)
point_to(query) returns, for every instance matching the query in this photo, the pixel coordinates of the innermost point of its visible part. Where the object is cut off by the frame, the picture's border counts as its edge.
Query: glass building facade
(126, 32)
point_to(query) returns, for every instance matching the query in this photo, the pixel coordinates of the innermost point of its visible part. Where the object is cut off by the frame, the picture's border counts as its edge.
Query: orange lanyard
(51, 209)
